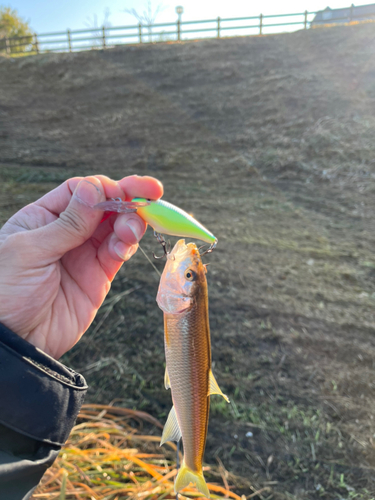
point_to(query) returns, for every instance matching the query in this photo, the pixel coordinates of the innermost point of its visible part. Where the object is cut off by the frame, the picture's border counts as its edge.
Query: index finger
(136, 186)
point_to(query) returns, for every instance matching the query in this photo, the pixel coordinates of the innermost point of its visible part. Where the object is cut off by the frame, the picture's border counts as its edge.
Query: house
(346, 15)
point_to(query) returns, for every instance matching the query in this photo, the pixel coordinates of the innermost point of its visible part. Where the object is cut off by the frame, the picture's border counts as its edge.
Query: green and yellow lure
(163, 217)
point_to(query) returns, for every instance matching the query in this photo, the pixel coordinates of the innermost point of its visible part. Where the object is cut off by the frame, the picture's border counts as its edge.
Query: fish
(162, 216)
(183, 298)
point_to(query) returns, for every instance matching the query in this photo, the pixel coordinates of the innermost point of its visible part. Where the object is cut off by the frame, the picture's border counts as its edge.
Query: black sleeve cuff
(39, 397)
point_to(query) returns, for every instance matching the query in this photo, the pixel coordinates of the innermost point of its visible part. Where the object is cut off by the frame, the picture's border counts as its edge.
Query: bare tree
(93, 24)
(148, 16)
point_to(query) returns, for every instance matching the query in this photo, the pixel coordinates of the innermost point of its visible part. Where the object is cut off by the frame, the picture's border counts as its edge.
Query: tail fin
(186, 476)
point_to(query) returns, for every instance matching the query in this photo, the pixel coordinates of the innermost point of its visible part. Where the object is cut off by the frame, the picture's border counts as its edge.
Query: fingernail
(123, 250)
(87, 193)
(136, 228)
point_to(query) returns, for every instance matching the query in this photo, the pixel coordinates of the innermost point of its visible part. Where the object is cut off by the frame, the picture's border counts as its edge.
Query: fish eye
(190, 275)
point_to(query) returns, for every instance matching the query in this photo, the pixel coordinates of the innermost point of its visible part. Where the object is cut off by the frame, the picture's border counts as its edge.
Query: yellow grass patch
(106, 458)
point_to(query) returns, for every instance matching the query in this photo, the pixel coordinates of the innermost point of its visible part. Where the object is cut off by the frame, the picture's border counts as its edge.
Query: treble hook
(209, 249)
(163, 243)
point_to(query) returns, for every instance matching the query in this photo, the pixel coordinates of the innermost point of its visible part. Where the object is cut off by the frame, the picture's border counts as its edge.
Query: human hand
(57, 261)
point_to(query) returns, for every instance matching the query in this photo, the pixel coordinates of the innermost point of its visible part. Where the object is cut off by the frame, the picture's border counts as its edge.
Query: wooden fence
(95, 38)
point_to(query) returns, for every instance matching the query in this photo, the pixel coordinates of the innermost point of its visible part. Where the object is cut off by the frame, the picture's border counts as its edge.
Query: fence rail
(103, 37)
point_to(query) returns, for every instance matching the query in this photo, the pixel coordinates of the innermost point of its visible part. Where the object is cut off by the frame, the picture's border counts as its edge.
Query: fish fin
(167, 382)
(215, 389)
(186, 476)
(171, 431)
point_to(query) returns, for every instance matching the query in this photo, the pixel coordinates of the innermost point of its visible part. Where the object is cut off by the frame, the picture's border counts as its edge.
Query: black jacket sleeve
(39, 401)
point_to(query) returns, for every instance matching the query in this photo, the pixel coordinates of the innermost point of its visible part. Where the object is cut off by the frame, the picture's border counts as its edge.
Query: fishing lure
(183, 298)
(163, 217)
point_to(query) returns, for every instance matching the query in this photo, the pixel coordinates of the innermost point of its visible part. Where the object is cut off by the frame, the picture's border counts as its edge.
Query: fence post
(36, 43)
(178, 30)
(351, 13)
(69, 41)
(305, 22)
(218, 27)
(7, 45)
(140, 32)
(260, 24)
(103, 37)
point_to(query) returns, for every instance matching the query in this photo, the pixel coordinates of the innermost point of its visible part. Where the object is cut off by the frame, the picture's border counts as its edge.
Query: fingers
(129, 228)
(112, 188)
(135, 186)
(57, 200)
(117, 238)
(118, 223)
(110, 246)
(109, 264)
(121, 243)
(74, 226)
(73, 203)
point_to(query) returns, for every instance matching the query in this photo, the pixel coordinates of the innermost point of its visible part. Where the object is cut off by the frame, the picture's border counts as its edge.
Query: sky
(51, 15)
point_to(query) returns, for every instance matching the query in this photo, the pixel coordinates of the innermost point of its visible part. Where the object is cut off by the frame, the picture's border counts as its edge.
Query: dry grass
(106, 458)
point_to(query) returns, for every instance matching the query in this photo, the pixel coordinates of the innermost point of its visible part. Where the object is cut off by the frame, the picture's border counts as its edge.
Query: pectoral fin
(167, 383)
(172, 431)
(214, 388)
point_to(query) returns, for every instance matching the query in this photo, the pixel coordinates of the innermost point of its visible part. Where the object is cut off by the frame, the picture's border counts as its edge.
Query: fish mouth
(179, 248)
(172, 303)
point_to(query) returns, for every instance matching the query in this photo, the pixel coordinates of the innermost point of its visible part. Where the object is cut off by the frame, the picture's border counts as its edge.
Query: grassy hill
(269, 141)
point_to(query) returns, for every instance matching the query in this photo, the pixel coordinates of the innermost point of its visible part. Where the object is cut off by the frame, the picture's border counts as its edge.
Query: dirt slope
(270, 142)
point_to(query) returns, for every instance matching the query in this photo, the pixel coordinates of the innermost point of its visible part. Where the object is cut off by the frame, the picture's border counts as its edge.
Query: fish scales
(188, 356)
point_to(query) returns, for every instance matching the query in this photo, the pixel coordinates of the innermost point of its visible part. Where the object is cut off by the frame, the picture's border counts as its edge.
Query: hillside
(269, 141)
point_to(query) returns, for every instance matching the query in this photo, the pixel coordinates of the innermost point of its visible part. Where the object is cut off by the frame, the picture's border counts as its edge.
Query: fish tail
(186, 476)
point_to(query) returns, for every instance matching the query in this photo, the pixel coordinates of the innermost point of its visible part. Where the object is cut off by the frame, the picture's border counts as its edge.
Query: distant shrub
(11, 25)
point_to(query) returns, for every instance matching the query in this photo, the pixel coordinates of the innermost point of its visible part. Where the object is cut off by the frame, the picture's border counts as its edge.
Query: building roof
(345, 15)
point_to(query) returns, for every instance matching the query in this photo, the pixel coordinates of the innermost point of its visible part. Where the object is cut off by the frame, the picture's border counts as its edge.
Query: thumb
(75, 225)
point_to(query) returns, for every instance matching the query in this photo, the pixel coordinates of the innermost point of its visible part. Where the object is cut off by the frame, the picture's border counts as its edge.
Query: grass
(278, 160)
(107, 458)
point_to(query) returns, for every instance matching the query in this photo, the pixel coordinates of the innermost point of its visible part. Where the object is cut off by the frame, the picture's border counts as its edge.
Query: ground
(269, 141)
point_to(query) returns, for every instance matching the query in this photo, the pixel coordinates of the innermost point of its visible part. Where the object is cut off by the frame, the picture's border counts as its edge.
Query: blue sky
(51, 15)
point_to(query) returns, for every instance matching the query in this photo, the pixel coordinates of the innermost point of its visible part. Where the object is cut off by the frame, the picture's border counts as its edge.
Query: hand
(57, 260)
